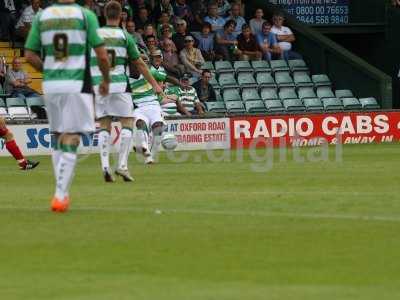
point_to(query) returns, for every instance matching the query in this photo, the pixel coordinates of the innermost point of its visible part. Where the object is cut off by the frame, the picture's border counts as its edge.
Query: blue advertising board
(317, 12)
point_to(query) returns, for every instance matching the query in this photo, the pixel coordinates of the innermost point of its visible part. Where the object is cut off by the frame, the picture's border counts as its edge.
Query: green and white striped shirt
(65, 32)
(142, 91)
(170, 109)
(188, 97)
(121, 49)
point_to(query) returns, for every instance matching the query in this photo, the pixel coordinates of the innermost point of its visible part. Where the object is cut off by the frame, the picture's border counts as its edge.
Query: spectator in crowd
(248, 46)
(164, 21)
(223, 8)
(142, 19)
(164, 6)
(127, 8)
(213, 18)
(235, 15)
(396, 3)
(257, 22)
(204, 89)
(9, 11)
(25, 21)
(188, 97)
(268, 43)
(183, 11)
(166, 33)
(151, 43)
(93, 6)
(284, 36)
(3, 72)
(17, 81)
(205, 40)
(199, 10)
(180, 34)
(130, 27)
(191, 57)
(124, 20)
(149, 30)
(226, 41)
(171, 61)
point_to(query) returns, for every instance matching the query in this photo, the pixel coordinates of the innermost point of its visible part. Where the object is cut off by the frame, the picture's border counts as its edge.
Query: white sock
(141, 140)
(65, 173)
(155, 145)
(104, 147)
(55, 158)
(125, 147)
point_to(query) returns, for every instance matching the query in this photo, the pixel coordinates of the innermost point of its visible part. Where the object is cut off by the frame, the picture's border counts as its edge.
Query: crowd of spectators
(186, 33)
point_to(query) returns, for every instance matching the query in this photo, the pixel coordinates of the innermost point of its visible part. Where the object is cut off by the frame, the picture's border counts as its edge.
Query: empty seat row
(17, 108)
(256, 66)
(292, 105)
(266, 79)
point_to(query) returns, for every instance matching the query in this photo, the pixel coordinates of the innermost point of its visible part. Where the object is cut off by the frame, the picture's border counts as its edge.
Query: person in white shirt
(25, 21)
(284, 36)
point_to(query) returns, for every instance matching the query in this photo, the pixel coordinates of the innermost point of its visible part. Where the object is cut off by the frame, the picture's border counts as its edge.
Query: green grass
(312, 230)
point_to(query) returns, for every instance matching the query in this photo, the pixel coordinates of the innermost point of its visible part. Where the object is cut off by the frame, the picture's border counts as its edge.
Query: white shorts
(150, 114)
(114, 105)
(70, 113)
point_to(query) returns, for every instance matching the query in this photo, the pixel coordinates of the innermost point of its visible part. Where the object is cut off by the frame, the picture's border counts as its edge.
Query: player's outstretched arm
(143, 69)
(104, 66)
(34, 59)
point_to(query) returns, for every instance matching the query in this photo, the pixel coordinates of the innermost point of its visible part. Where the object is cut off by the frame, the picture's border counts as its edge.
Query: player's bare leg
(12, 147)
(125, 146)
(104, 145)
(68, 144)
(156, 130)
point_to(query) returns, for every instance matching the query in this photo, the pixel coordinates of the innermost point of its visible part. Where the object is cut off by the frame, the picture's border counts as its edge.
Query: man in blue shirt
(212, 17)
(235, 16)
(268, 43)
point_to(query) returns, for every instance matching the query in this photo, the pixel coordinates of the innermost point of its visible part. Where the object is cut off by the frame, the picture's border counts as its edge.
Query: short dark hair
(112, 10)
(229, 23)
(245, 26)
(205, 71)
(266, 23)
(208, 25)
(147, 37)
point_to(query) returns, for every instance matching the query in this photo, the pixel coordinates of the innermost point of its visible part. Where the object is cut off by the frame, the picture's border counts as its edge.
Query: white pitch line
(214, 212)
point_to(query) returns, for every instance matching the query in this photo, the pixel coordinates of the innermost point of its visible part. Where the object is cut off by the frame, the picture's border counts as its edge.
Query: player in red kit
(12, 147)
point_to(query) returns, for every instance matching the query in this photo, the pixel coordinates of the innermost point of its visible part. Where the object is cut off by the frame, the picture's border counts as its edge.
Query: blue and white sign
(317, 12)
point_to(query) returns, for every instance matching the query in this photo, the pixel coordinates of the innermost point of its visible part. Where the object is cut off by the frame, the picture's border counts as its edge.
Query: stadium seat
(313, 104)
(351, 103)
(283, 79)
(208, 65)
(247, 80)
(255, 106)
(218, 95)
(3, 109)
(269, 94)
(321, 80)
(293, 105)
(306, 92)
(34, 103)
(302, 79)
(242, 66)
(261, 66)
(325, 92)
(223, 66)
(369, 103)
(17, 108)
(279, 65)
(274, 106)
(297, 65)
(213, 80)
(332, 104)
(343, 93)
(216, 106)
(36, 85)
(265, 79)
(227, 80)
(231, 95)
(235, 107)
(287, 93)
(3, 94)
(250, 94)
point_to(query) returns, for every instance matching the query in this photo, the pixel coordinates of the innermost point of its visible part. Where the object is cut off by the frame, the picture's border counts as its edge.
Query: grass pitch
(202, 230)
